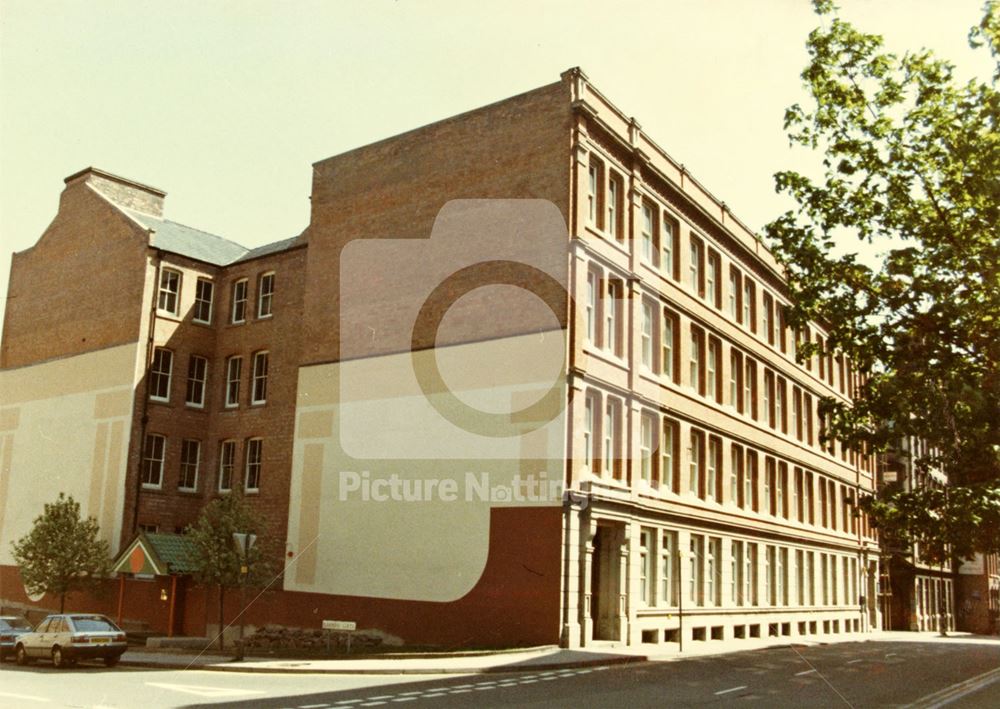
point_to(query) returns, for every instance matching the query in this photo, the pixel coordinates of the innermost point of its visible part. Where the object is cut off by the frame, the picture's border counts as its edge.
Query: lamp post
(244, 543)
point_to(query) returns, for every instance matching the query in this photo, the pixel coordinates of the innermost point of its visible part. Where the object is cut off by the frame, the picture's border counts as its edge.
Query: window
(779, 313)
(670, 246)
(668, 546)
(769, 576)
(770, 472)
(769, 397)
(669, 470)
(265, 295)
(259, 389)
(234, 368)
(592, 291)
(647, 336)
(190, 458)
(650, 250)
(695, 269)
(227, 465)
(615, 193)
(696, 377)
(796, 492)
(713, 570)
(779, 492)
(593, 184)
(807, 417)
(779, 405)
(713, 370)
(735, 474)
(645, 561)
(797, 412)
(735, 573)
(612, 324)
(750, 480)
(713, 286)
(170, 292)
(781, 577)
(809, 572)
(807, 498)
(612, 438)
(203, 292)
(589, 407)
(695, 463)
(799, 574)
(152, 460)
(255, 448)
(749, 305)
(696, 578)
(669, 346)
(159, 374)
(239, 310)
(734, 294)
(749, 576)
(197, 377)
(767, 318)
(647, 445)
(713, 470)
(750, 387)
(735, 380)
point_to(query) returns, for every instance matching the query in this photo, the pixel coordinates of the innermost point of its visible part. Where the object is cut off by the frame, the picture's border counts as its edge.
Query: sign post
(343, 626)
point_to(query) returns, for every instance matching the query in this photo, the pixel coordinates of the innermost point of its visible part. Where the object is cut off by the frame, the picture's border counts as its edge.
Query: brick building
(169, 363)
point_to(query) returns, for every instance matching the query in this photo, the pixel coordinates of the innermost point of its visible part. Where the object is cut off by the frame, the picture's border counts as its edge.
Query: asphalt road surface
(870, 674)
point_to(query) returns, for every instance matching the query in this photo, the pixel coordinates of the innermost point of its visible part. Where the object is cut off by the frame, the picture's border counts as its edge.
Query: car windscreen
(14, 624)
(94, 625)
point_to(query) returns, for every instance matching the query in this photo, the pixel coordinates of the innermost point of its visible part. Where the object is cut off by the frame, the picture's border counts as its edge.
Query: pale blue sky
(225, 105)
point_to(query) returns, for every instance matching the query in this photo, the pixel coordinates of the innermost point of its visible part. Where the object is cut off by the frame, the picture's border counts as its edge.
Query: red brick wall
(79, 288)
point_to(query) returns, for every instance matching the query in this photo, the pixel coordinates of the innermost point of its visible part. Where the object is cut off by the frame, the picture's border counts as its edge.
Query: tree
(62, 553)
(215, 556)
(911, 163)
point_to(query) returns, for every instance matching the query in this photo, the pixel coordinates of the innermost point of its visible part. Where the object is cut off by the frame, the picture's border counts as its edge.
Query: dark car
(66, 638)
(11, 626)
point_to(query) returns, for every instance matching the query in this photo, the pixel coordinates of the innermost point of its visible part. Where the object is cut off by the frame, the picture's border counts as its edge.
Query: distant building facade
(148, 367)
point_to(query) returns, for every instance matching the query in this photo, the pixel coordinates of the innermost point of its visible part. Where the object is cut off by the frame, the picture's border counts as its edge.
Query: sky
(226, 104)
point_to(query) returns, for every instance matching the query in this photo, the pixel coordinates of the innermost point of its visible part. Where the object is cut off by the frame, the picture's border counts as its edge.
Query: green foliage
(911, 164)
(62, 553)
(215, 555)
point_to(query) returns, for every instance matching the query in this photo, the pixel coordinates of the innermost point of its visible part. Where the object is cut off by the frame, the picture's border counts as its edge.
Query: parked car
(11, 626)
(66, 638)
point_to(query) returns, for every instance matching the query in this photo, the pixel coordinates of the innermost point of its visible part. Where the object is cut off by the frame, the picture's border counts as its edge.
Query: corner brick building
(148, 366)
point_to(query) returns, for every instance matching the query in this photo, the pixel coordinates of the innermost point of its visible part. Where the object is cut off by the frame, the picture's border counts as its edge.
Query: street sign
(339, 625)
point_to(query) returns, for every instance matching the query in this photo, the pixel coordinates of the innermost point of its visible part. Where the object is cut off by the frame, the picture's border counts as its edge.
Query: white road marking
(29, 697)
(372, 704)
(804, 672)
(435, 694)
(485, 687)
(205, 691)
(734, 689)
(854, 662)
(527, 681)
(312, 706)
(410, 694)
(404, 699)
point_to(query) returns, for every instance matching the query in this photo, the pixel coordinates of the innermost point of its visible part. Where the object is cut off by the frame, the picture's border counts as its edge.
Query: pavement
(540, 658)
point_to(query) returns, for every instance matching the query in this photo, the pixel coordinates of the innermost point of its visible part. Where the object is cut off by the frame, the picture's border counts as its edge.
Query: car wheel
(111, 660)
(58, 661)
(21, 656)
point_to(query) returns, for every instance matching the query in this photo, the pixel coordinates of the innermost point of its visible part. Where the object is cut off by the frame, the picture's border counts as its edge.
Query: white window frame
(158, 370)
(196, 383)
(168, 299)
(258, 378)
(154, 453)
(232, 398)
(187, 465)
(201, 302)
(238, 309)
(646, 336)
(265, 298)
(253, 463)
(227, 465)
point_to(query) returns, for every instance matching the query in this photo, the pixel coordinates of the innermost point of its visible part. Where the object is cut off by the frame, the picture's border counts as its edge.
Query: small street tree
(910, 164)
(215, 555)
(62, 554)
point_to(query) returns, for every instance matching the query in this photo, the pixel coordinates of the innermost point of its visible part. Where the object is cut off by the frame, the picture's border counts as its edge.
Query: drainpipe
(145, 390)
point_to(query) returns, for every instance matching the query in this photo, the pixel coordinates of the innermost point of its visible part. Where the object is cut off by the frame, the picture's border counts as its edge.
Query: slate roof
(201, 245)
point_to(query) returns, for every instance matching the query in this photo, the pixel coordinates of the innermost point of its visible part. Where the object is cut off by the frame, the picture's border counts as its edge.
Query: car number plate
(101, 640)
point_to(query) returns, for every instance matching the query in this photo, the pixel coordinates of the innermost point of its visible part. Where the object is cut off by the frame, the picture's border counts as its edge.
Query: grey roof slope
(266, 249)
(187, 241)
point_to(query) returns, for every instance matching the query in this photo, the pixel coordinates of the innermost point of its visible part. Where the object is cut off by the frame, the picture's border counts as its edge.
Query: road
(870, 674)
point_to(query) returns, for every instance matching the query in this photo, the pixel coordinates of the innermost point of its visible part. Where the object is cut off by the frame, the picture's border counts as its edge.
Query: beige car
(69, 637)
